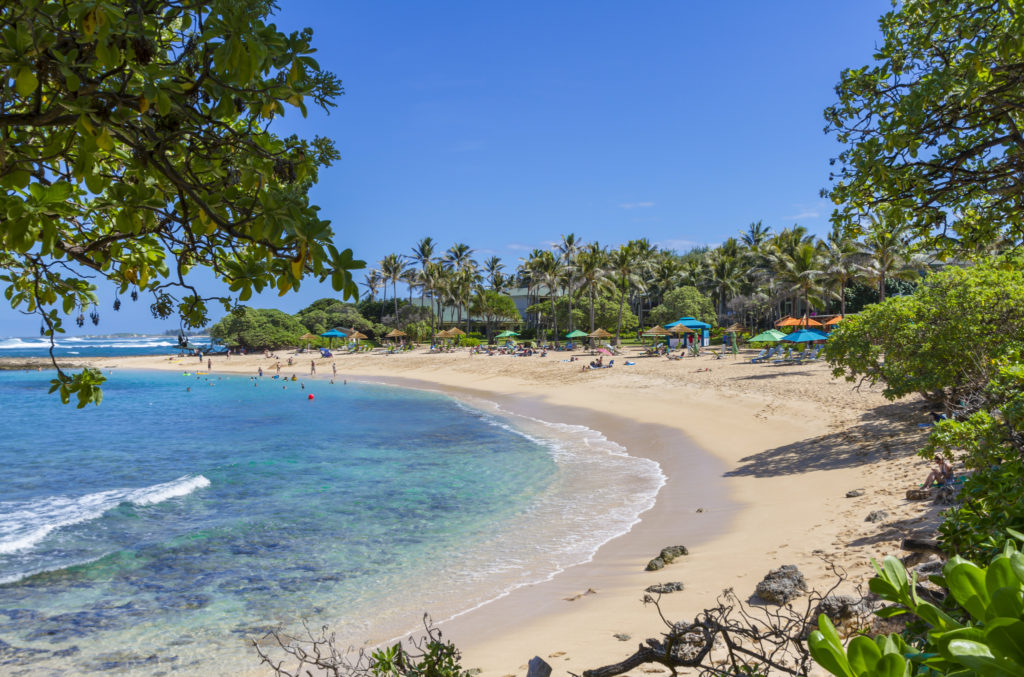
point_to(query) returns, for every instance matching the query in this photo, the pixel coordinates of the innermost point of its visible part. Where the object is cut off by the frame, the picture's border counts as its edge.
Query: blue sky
(505, 125)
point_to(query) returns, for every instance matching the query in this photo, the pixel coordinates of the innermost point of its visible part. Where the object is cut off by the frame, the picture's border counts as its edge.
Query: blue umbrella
(805, 336)
(332, 334)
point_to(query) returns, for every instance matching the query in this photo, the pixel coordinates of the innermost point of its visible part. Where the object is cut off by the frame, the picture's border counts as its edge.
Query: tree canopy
(933, 128)
(135, 147)
(258, 329)
(940, 341)
(684, 302)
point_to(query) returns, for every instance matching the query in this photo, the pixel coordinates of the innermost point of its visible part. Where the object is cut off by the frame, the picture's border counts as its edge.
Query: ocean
(94, 346)
(188, 514)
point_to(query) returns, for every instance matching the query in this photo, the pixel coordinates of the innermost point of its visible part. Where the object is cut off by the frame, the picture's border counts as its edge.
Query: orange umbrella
(793, 322)
(834, 321)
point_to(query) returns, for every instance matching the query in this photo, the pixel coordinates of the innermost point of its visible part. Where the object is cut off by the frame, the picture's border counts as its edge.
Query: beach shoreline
(758, 459)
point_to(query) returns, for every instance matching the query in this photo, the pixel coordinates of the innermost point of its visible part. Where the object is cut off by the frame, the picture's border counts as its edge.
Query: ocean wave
(25, 524)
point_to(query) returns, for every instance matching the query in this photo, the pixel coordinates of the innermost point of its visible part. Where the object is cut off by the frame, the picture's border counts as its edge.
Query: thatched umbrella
(657, 330)
(307, 337)
(444, 333)
(358, 335)
(455, 332)
(735, 328)
(395, 333)
(682, 329)
(600, 333)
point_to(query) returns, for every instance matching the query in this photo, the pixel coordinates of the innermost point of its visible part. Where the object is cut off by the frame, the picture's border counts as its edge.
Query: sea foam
(25, 524)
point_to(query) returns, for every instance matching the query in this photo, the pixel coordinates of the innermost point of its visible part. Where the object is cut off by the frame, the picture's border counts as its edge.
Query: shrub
(983, 635)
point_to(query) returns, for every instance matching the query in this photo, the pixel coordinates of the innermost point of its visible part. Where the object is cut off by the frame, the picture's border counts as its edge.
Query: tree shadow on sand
(885, 432)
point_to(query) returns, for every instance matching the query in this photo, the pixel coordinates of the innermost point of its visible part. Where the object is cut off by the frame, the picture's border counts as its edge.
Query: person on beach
(278, 367)
(312, 368)
(261, 372)
(209, 364)
(334, 368)
(941, 473)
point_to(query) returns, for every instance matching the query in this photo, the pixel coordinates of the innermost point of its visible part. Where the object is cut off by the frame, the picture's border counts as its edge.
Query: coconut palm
(372, 281)
(492, 269)
(755, 235)
(622, 268)
(458, 256)
(391, 268)
(550, 272)
(841, 265)
(591, 266)
(725, 274)
(887, 251)
(568, 249)
(802, 270)
(423, 252)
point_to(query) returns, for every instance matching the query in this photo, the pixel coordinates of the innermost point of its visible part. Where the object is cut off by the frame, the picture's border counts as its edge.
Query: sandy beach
(758, 460)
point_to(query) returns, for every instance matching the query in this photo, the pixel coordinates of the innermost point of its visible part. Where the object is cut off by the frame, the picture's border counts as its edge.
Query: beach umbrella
(307, 337)
(804, 336)
(788, 322)
(834, 321)
(395, 333)
(682, 329)
(455, 332)
(770, 336)
(358, 336)
(734, 328)
(332, 334)
(657, 330)
(508, 333)
(442, 334)
(576, 334)
(600, 333)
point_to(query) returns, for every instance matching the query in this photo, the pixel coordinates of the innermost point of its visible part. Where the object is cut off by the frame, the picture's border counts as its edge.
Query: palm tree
(591, 265)
(458, 255)
(840, 264)
(433, 279)
(802, 270)
(549, 270)
(493, 267)
(372, 281)
(644, 253)
(887, 252)
(423, 252)
(755, 235)
(622, 264)
(392, 267)
(724, 275)
(568, 248)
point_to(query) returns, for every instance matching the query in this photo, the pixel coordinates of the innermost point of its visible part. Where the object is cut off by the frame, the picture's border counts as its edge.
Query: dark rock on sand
(918, 494)
(664, 588)
(876, 516)
(667, 556)
(842, 608)
(854, 493)
(782, 585)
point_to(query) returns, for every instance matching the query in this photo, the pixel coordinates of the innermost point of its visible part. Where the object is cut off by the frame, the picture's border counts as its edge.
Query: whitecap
(25, 524)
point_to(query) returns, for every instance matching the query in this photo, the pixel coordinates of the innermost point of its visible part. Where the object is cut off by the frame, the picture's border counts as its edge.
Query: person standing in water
(312, 368)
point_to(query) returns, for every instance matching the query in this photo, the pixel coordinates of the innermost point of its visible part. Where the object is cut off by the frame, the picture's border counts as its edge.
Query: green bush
(469, 341)
(941, 340)
(983, 634)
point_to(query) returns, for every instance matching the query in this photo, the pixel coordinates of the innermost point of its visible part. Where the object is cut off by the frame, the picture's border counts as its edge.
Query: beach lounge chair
(786, 357)
(767, 354)
(760, 356)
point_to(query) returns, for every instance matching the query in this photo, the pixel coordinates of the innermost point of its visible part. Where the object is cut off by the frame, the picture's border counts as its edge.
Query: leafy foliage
(136, 149)
(991, 445)
(941, 340)
(685, 301)
(932, 128)
(606, 312)
(983, 634)
(258, 329)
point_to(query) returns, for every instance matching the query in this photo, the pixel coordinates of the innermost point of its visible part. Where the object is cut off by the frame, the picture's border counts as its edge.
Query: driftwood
(732, 638)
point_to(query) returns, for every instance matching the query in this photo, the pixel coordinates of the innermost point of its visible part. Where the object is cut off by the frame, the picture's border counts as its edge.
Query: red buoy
(311, 396)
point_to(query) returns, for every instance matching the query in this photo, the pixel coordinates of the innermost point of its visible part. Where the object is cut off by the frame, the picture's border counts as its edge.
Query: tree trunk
(591, 289)
(842, 298)
(881, 288)
(554, 319)
(569, 330)
(394, 292)
(618, 325)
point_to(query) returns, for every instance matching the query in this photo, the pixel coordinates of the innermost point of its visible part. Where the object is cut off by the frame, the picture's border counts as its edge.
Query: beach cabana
(805, 336)
(701, 329)
(770, 336)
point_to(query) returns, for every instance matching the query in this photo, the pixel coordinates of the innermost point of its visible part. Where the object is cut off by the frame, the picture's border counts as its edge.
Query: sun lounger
(760, 356)
(767, 355)
(785, 358)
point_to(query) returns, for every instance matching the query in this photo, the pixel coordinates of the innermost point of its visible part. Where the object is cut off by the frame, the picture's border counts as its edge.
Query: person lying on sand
(941, 473)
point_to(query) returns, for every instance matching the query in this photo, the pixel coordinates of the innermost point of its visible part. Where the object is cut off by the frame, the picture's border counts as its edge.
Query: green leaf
(863, 654)
(26, 82)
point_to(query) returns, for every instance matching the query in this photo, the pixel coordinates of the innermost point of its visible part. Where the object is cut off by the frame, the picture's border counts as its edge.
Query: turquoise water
(160, 532)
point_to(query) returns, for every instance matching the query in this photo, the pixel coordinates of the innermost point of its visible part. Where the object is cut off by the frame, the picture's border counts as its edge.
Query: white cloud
(636, 205)
(808, 211)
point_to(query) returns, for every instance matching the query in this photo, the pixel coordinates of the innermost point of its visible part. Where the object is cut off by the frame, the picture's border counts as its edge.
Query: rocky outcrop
(664, 588)
(842, 608)
(667, 556)
(854, 493)
(782, 585)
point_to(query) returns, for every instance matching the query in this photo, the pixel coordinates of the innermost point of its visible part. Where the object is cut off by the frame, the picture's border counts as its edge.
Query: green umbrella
(506, 334)
(770, 336)
(576, 334)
